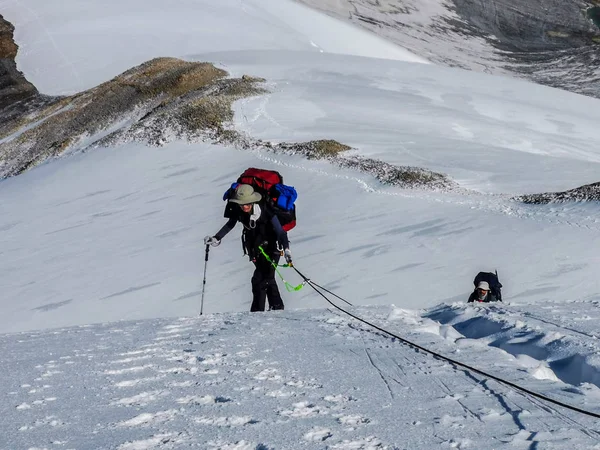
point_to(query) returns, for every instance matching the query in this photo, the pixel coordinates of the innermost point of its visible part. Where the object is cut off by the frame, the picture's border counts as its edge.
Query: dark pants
(264, 285)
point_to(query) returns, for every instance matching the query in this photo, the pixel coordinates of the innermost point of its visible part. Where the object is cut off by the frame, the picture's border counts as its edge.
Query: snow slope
(116, 234)
(72, 48)
(295, 379)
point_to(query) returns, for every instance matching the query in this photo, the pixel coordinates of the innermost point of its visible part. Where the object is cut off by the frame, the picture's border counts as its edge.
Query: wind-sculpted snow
(550, 42)
(552, 342)
(312, 380)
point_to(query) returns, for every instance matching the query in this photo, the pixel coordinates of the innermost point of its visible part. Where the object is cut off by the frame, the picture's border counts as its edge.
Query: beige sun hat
(244, 194)
(483, 285)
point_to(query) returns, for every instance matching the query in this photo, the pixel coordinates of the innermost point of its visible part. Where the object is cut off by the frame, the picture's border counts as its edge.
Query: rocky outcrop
(585, 193)
(551, 42)
(14, 87)
(406, 177)
(155, 102)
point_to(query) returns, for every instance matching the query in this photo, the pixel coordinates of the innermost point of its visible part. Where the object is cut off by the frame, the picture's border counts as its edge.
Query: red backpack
(260, 179)
(269, 183)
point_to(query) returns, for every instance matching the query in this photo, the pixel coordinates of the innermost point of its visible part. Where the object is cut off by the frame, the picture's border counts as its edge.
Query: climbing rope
(442, 357)
(288, 286)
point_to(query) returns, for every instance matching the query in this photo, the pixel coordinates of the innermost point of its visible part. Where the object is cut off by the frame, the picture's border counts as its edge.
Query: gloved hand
(287, 254)
(212, 240)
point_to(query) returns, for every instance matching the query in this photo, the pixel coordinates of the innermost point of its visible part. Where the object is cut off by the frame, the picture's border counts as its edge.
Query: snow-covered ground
(304, 379)
(116, 234)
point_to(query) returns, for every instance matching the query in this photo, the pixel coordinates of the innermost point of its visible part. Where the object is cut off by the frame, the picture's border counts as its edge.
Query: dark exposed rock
(543, 40)
(14, 87)
(401, 176)
(551, 42)
(532, 26)
(314, 149)
(406, 177)
(586, 193)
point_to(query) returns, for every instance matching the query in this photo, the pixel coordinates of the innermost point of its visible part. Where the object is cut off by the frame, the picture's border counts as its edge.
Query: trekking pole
(204, 280)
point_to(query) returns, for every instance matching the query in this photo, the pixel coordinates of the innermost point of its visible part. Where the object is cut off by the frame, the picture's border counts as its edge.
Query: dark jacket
(488, 298)
(266, 231)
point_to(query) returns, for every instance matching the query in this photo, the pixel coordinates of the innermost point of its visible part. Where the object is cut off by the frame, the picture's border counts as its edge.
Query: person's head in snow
(483, 290)
(262, 232)
(482, 293)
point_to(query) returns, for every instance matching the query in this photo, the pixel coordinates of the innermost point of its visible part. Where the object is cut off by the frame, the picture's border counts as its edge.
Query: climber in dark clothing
(261, 229)
(482, 294)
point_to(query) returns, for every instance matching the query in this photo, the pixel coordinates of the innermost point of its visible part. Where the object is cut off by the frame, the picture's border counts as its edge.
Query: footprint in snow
(251, 388)
(239, 445)
(146, 419)
(156, 441)
(460, 443)
(339, 398)
(136, 381)
(141, 399)
(281, 393)
(202, 400)
(234, 421)
(51, 421)
(368, 443)
(48, 374)
(311, 384)
(167, 338)
(317, 434)
(128, 370)
(179, 370)
(268, 375)
(255, 363)
(140, 352)
(130, 359)
(179, 384)
(175, 328)
(185, 358)
(453, 397)
(36, 389)
(303, 410)
(44, 401)
(451, 421)
(353, 420)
